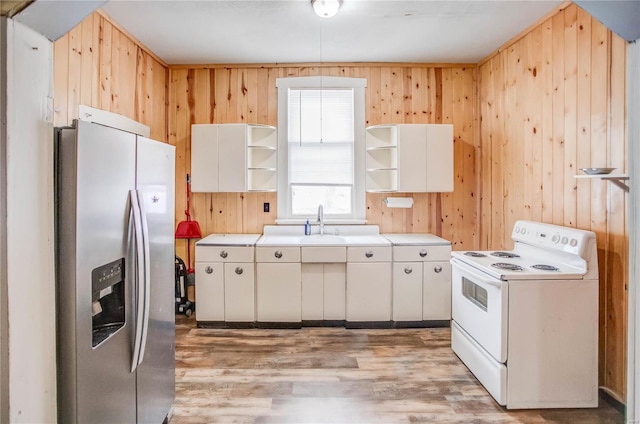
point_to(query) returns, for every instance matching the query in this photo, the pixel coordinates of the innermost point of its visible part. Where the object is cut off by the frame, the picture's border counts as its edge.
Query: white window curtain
(321, 136)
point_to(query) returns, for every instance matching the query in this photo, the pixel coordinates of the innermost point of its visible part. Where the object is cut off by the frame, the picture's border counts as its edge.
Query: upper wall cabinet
(233, 157)
(409, 158)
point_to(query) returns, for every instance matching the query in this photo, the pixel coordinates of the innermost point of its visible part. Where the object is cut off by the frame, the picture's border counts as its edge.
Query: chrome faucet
(321, 219)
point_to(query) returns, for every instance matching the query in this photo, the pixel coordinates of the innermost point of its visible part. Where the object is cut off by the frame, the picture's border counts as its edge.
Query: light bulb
(326, 8)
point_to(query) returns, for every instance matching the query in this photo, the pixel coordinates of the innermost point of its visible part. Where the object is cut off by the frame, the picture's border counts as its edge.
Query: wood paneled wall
(551, 103)
(98, 65)
(394, 94)
(524, 121)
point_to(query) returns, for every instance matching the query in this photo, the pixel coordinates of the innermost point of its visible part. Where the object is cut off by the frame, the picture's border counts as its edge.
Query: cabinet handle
(239, 270)
(422, 253)
(208, 270)
(223, 254)
(278, 254)
(408, 270)
(438, 269)
(369, 254)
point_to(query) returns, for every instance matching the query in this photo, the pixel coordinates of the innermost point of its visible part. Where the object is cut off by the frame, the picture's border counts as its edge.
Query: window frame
(358, 200)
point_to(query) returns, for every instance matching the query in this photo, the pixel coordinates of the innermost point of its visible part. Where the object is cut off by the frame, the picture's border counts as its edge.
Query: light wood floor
(334, 375)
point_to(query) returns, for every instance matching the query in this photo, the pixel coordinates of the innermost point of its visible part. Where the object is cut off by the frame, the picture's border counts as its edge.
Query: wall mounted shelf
(617, 179)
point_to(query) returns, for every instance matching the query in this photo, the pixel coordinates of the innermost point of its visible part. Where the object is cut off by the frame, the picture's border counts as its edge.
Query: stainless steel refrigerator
(115, 275)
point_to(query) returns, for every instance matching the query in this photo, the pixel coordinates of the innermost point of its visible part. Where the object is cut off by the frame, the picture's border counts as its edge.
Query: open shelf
(617, 179)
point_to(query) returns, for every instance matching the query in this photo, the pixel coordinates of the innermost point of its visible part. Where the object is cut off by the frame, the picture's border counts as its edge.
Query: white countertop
(416, 239)
(229, 240)
(334, 235)
(347, 235)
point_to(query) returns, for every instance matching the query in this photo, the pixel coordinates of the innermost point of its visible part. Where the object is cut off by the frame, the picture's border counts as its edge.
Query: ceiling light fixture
(326, 8)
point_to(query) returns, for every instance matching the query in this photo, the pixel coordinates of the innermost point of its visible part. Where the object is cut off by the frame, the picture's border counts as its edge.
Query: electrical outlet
(265, 207)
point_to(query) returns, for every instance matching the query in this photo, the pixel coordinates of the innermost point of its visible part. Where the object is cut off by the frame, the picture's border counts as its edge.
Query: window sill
(312, 221)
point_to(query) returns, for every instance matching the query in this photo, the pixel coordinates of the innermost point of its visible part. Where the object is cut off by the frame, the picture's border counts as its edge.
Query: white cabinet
(239, 292)
(421, 277)
(409, 158)
(323, 291)
(209, 291)
(436, 291)
(323, 283)
(233, 157)
(225, 278)
(407, 291)
(368, 295)
(278, 281)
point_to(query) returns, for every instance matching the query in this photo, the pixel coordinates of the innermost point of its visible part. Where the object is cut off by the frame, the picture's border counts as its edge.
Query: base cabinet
(436, 291)
(239, 292)
(368, 291)
(421, 280)
(279, 297)
(209, 291)
(323, 292)
(407, 291)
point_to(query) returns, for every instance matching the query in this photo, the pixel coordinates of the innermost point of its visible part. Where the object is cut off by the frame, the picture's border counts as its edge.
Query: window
(321, 148)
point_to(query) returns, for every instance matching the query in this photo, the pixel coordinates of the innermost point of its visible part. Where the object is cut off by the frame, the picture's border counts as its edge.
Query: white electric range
(525, 321)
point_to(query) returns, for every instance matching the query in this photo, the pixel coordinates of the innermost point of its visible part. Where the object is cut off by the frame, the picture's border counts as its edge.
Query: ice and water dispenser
(108, 297)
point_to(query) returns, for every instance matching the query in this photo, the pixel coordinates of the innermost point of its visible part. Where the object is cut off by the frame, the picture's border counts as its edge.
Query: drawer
(421, 253)
(278, 254)
(324, 254)
(369, 254)
(224, 254)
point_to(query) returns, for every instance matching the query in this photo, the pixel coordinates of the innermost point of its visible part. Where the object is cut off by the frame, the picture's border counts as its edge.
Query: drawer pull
(438, 269)
(223, 254)
(422, 253)
(239, 271)
(408, 270)
(278, 254)
(369, 254)
(208, 270)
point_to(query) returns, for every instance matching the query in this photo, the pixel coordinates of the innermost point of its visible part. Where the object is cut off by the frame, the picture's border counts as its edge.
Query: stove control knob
(564, 240)
(517, 230)
(573, 242)
(555, 238)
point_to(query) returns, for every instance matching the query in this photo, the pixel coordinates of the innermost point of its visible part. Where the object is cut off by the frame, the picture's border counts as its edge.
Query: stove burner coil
(508, 267)
(505, 255)
(475, 254)
(544, 267)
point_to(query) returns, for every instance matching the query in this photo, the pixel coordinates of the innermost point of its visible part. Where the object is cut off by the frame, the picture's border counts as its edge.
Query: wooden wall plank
(570, 108)
(61, 80)
(583, 123)
(546, 113)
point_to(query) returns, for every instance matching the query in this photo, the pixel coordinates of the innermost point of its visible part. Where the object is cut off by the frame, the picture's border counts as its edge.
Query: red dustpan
(188, 229)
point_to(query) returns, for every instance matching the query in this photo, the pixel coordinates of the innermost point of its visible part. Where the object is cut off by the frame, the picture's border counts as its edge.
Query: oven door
(480, 307)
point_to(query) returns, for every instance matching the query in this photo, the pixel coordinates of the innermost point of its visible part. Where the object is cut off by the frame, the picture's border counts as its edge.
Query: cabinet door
(439, 158)
(407, 291)
(312, 292)
(369, 291)
(239, 292)
(204, 158)
(412, 158)
(436, 291)
(232, 157)
(334, 292)
(209, 291)
(278, 297)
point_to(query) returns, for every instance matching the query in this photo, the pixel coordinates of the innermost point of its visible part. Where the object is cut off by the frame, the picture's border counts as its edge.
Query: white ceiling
(288, 31)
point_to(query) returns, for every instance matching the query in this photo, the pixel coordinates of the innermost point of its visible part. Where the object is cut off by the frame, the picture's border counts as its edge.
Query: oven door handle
(477, 276)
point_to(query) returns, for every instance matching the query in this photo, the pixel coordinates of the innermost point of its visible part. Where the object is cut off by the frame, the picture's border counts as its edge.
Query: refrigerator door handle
(147, 275)
(139, 280)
